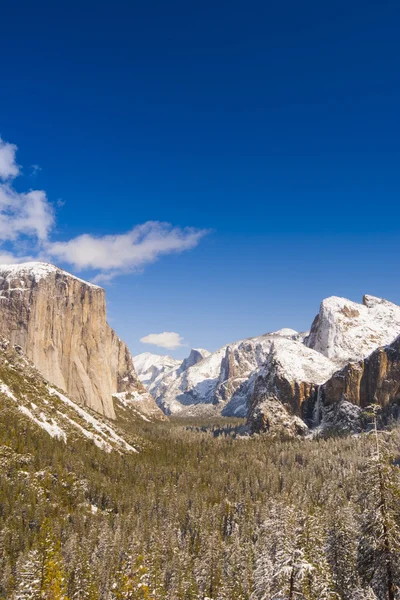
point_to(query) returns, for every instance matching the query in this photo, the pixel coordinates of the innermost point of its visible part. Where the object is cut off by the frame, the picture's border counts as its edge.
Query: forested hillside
(198, 513)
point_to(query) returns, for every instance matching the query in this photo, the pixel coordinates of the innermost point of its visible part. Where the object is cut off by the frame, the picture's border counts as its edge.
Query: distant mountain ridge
(221, 379)
(149, 366)
(248, 378)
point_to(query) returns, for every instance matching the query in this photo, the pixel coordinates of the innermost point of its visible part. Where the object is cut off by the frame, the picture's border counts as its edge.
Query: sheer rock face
(60, 323)
(374, 379)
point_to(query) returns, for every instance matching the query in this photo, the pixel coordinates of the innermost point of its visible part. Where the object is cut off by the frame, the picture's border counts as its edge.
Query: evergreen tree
(29, 577)
(379, 546)
(341, 551)
(132, 582)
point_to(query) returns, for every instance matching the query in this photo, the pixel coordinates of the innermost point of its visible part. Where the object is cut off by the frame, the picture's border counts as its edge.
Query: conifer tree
(29, 577)
(132, 582)
(379, 547)
(341, 551)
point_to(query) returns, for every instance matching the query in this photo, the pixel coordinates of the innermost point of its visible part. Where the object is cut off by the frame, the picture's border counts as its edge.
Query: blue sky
(271, 130)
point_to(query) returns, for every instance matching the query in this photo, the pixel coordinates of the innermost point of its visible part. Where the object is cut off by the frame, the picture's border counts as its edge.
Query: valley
(192, 515)
(267, 469)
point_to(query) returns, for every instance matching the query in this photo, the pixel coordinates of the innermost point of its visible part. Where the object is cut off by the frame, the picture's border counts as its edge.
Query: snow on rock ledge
(291, 374)
(345, 330)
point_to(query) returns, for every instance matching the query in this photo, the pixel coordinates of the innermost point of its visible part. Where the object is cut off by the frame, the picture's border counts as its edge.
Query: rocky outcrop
(270, 416)
(289, 378)
(195, 356)
(59, 321)
(345, 330)
(375, 379)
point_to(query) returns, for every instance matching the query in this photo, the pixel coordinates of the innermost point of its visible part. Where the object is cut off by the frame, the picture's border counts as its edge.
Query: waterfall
(317, 408)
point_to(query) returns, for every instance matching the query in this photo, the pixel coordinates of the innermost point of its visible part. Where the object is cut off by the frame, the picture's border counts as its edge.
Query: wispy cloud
(35, 169)
(27, 222)
(8, 165)
(22, 214)
(167, 339)
(28, 214)
(114, 254)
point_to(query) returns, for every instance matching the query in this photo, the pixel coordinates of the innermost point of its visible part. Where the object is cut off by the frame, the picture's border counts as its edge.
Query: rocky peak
(345, 330)
(291, 374)
(195, 356)
(60, 323)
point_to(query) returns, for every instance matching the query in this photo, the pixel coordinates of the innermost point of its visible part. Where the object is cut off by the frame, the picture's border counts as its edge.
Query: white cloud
(7, 258)
(24, 214)
(113, 254)
(8, 166)
(35, 169)
(167, 339)
(27, 220)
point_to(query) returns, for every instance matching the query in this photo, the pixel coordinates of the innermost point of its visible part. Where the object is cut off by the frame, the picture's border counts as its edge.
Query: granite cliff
(326, 378)
(59, 321)
(374, 380)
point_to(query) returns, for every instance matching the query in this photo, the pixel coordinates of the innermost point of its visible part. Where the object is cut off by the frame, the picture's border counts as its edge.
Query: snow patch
(51, 427)
(100, 427)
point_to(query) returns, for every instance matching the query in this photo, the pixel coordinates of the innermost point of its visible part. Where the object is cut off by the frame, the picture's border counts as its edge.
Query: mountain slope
(25, 392)
(376, 379)
(59, 321)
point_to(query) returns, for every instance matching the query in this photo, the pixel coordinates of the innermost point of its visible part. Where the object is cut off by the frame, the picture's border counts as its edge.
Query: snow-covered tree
(379, 546)
(29, 576)
(341, 551)
(132, 581)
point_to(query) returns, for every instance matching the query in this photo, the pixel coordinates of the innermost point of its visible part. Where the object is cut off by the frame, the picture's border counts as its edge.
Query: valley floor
(198, 513)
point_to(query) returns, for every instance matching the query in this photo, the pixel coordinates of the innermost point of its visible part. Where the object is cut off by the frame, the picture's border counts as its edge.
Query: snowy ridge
(345, 330)
(138, 405)
(103, 430)
(296, 362)
(149, 366)
(36, 270)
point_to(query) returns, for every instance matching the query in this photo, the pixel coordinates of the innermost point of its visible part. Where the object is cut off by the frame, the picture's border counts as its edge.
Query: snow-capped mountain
(290, 376)
(149, 366)
(222, 378)
(345, 330)
(242, 378)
